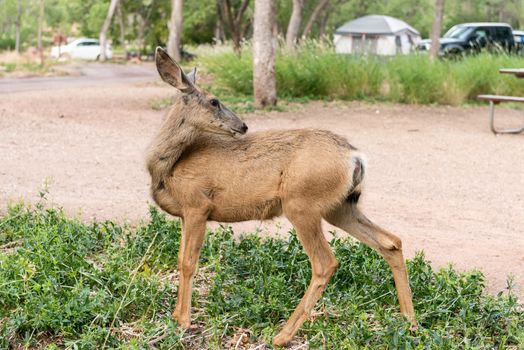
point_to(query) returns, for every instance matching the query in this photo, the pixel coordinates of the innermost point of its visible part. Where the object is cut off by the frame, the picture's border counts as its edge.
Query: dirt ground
(437, 176)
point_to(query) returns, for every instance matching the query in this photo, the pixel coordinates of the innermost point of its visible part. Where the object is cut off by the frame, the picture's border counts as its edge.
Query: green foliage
(146, 20)
(7, 42)
(199, 21)
(68, 279)
(312, 71)
(316, 71)
(28, 67)
(79, 285)
(417, 13)
(95, 19)
(231, 73)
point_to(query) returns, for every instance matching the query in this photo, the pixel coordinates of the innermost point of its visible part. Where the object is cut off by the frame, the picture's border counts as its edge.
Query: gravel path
(81, 76)
(437, 176)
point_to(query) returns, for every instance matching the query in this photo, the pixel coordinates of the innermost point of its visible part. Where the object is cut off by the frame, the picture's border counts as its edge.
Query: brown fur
(202, 170)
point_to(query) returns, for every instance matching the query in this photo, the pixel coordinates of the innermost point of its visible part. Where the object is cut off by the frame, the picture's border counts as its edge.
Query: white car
(84, 48)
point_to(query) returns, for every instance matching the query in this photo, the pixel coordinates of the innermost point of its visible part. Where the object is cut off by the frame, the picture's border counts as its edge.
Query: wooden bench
(494, 100)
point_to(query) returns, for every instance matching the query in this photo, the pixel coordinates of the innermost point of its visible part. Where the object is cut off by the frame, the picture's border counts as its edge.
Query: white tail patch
(357, 171)
(359, 165)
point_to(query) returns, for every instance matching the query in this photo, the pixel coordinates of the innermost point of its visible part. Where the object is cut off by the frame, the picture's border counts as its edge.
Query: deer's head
(205, 111)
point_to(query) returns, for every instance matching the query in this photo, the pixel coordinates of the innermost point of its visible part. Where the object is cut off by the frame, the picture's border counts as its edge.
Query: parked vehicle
(473, 37)
(518, 35)
(84, 48)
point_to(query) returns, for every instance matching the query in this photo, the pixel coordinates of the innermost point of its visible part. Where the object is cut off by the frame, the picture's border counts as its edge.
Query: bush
(7, 43)
(316, 71)
(68, 284)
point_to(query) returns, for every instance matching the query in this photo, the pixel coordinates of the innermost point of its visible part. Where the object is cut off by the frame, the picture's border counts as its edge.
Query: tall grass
(65, 284)
(316, 71)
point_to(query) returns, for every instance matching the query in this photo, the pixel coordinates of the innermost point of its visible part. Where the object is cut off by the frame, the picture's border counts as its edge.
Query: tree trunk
(318, 9)
(141, 33)
(235, 22)
(175, 30)
(435, 30)
(105, 27)
(18, 24)
(219, 26)
(235, 31)
(294, 24)
(264, 43)
(122, 29)
(39, 36)
(502, 11)
(323, 22)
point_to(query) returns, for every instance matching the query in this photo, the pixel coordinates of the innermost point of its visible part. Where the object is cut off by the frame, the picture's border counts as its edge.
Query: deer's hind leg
(350, 219)
(323, 265)
(193, 232)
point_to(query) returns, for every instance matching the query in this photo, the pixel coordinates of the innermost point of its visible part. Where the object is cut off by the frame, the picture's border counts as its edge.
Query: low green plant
(316, 71)
(64, 283)
(162, 103)
(237, 103)
(31, 67)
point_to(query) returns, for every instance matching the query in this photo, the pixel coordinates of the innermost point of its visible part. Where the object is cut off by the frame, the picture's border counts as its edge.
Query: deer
(204, 166)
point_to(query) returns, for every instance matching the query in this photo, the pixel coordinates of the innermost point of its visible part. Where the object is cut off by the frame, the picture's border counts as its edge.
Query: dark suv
(473, 37)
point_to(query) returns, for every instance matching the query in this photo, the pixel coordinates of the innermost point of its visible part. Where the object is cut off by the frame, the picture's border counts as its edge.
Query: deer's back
(252, 177)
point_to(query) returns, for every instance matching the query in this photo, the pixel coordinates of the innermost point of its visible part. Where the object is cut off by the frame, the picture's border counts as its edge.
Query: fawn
(204, 168)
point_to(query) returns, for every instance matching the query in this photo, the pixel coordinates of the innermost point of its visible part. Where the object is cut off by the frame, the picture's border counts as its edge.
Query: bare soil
(437, 177)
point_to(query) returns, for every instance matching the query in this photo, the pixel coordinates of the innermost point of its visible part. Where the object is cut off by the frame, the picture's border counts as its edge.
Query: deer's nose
(244, 128)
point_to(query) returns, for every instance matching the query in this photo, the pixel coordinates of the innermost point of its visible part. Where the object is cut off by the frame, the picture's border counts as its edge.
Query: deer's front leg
(193, 232)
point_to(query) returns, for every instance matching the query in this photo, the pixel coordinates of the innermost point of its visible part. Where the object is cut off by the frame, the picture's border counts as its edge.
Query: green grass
(317, 72)
(64, 283)
(29, 67)
(238, 103)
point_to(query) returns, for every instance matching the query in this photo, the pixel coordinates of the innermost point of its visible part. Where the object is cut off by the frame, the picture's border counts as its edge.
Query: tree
(413, 12)
(201, 22)
(316, 12)
(264, 42)
(235, 21)
(122, 28)
(219, 34)
(175, 29)
(294, 23)
(40, 25)
(18, 24)
(435, 31)
(105, 27)
(323, 22)
(146, 19)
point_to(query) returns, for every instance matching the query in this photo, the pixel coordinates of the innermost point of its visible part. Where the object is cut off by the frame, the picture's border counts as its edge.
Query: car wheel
(454, 53)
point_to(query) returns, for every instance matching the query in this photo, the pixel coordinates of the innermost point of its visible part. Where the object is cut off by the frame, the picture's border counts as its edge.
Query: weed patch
(239, 104)
(317, 72)
(64, 283)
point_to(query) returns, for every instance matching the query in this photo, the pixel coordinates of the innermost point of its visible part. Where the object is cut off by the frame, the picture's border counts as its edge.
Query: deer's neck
(172, 140)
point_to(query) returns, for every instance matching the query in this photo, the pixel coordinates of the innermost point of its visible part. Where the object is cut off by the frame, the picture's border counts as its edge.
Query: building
(380, 35)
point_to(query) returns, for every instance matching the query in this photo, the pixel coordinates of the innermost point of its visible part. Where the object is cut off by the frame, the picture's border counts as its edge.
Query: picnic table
(496, 99)
(518, 72)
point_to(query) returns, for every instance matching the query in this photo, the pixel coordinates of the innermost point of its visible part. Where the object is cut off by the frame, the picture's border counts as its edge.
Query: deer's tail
(358, 165)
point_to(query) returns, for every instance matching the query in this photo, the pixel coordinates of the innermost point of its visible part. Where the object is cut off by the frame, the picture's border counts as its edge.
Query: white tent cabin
(380, 35)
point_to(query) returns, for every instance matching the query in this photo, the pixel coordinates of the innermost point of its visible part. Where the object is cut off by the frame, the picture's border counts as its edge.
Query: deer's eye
(214, 102)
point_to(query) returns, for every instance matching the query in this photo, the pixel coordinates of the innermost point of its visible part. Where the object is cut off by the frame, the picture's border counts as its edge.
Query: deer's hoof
(182, 321)
(282, 339)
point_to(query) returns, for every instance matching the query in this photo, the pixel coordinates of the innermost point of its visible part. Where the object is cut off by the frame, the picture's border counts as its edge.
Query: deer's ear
(192, 76)
(172, 73)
